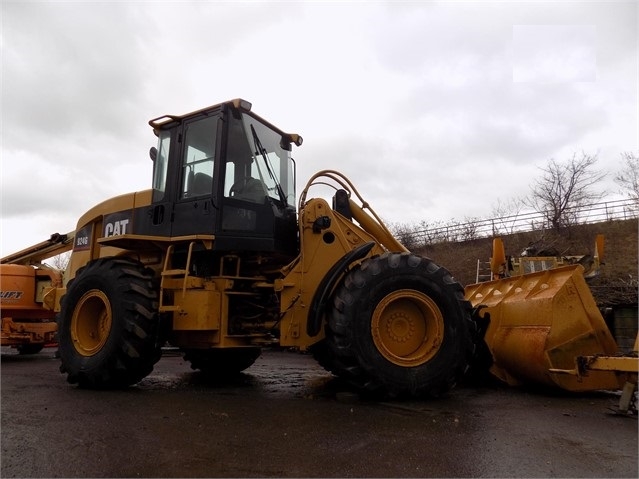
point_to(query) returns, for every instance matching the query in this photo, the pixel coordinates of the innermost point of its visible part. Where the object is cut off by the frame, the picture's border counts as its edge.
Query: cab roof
(167, 121)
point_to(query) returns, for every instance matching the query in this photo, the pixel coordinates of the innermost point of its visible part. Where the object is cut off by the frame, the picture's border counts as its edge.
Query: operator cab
(224, 171)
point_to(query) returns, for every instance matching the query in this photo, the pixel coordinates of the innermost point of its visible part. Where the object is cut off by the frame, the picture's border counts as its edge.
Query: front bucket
(542, 321)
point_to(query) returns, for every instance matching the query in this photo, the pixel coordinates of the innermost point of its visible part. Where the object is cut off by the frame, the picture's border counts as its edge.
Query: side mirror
(153, 153)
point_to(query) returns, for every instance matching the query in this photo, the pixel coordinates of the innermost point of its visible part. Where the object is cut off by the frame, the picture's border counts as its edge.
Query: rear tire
(108, 324)
(29, 348)
(400, 326)
(222, 363)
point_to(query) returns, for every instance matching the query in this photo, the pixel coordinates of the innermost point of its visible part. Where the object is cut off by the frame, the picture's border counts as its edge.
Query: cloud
(554, 53)
(66, 73)
(414, 101)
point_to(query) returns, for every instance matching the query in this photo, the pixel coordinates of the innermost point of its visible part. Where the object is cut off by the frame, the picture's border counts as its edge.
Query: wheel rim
(407, 327)
(91, 322)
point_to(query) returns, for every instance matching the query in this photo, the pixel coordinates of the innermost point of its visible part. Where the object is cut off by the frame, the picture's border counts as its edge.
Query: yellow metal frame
(539, 323)
(532, 264)
(15, 333)
(628, 364)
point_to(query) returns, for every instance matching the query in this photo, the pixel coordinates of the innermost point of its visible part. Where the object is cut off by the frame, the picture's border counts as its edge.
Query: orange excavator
(27, 323)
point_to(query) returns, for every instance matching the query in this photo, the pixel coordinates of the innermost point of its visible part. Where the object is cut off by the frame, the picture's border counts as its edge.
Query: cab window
(199, 155)
(160, 165)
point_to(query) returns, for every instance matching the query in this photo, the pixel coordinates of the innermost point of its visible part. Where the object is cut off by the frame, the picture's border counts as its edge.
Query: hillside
(617, 283)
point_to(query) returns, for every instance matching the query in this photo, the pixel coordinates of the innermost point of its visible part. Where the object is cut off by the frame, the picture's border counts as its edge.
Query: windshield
(264, 160)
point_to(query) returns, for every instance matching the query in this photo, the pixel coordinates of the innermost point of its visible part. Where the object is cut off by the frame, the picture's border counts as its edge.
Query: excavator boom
(55, 245)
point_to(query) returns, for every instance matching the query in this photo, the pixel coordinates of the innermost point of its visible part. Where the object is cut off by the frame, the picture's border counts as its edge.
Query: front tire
(400, 326)
(108, 324)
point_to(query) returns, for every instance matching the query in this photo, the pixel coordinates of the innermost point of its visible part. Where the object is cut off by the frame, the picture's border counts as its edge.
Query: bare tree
(628, 176)
(60, 261)
(469, 228)
(406, 233)
(505, 214)
(435, 232)
(564, 188)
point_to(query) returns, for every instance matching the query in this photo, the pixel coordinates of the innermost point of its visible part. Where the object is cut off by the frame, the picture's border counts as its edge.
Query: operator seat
(202, 184)
(249, 189)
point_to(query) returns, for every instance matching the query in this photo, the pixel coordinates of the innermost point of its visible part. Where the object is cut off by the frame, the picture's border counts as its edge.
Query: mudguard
(318, 305)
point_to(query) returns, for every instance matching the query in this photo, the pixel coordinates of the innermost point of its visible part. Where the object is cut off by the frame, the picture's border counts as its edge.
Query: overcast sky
(435, 110)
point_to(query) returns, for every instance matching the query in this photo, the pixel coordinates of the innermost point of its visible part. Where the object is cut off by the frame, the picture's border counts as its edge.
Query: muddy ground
(287, 417)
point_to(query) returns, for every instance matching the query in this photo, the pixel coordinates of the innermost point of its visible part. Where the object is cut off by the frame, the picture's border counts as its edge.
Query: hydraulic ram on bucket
(540, 322)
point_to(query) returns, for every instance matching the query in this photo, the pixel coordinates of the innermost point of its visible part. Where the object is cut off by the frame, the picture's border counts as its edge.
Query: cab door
(194, 209)
(155, 219)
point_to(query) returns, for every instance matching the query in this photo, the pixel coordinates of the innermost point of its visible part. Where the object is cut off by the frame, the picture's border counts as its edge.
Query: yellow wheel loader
(216, 260)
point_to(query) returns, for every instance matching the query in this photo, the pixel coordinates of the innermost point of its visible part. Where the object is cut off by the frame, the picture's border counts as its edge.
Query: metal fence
(471, 229)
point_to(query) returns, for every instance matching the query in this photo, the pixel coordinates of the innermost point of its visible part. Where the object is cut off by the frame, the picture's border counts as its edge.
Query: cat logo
(116, 228)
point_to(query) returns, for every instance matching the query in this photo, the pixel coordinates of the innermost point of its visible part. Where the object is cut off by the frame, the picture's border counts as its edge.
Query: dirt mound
(617, 283)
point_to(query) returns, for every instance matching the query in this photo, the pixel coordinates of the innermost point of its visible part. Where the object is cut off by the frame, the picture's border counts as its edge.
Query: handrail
(472, 228)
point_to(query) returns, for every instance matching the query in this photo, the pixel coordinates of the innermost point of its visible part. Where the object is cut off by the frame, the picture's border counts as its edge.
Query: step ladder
(168, 272)
(484, 273)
